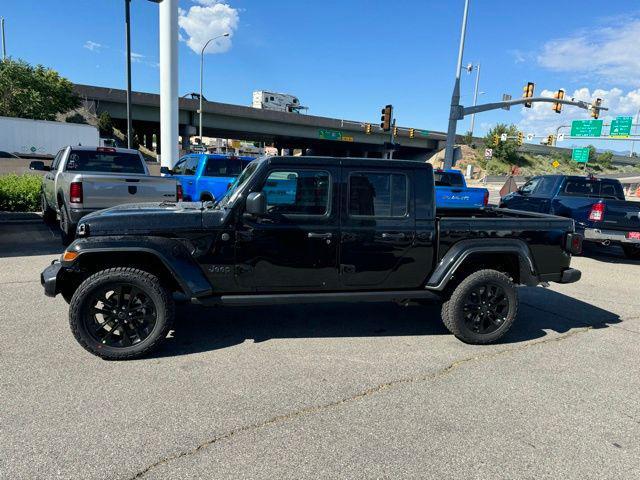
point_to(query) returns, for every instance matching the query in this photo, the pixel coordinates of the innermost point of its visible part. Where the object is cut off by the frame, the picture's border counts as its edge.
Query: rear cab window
(448, 179)
(592, 187)
(104, 162)
(223, 167)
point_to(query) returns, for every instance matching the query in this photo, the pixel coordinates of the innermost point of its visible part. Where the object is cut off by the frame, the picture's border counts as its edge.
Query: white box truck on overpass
(280, 102)
(23, 136)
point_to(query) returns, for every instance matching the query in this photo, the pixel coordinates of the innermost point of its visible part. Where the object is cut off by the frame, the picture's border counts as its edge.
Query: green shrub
(20, 193)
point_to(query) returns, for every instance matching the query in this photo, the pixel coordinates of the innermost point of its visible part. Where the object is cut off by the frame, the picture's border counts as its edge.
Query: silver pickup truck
(82, 180)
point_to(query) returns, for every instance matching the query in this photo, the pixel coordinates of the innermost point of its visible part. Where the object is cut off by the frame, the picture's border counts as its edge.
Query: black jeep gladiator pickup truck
(304, 230)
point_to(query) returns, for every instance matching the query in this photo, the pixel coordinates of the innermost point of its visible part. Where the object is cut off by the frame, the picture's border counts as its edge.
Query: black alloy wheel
(485, 308)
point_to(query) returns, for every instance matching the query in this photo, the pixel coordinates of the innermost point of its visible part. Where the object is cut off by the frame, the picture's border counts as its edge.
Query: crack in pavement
(19, 282)
(358, 396)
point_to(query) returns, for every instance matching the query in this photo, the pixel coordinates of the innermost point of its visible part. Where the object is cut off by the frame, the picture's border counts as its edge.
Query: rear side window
(448, 179)
(592, 187)
(378, 194)
(224, 167)
(297, 192)
(104, 162)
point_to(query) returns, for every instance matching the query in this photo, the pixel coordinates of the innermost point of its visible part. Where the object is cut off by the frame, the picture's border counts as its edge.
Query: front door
(295, 246)
(377, 230)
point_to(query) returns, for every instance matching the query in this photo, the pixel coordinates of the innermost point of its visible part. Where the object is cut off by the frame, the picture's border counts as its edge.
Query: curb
(20, 217)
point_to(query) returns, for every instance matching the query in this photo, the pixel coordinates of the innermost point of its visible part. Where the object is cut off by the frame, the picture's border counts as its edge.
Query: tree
(507, 150)
(76, 118)
(105, 124)
(604, 160)
(34, 92)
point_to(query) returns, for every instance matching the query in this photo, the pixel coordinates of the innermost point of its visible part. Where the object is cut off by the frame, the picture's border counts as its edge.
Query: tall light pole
(127, 17)
(455, 96)
(4, 44)
(201, 77)
(475, 96)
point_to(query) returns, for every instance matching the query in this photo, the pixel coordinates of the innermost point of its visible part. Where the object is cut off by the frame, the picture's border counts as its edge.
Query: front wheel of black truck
(482, 308)
(121, 313)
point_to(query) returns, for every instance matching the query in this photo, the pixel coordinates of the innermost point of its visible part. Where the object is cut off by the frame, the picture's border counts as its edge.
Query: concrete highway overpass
(324, 136)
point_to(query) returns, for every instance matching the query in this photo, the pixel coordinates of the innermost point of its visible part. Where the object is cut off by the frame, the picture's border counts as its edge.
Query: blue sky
(348, 58)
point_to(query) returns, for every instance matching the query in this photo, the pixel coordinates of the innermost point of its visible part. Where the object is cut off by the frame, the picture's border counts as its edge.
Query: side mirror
(256, 204)
(166, 171)
(39, 165)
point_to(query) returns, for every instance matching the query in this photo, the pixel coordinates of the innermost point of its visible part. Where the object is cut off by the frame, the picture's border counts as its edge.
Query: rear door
(295, 246)
(377, 229)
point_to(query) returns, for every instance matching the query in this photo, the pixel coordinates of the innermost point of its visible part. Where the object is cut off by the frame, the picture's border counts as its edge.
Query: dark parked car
(304, 230)
(596, 204)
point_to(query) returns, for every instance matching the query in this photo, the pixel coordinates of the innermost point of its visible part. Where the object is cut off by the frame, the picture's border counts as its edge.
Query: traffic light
(520, 138)
(496, 139)
(412, 132)
(557, 107)
(550, 139)
(528, 92)
(595, 108)
(367, 128)
(395, 131)
(385, 119)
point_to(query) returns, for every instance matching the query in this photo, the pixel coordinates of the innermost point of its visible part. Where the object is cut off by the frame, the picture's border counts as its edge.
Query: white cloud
(608, 52)
(136, 57)
(208, 19)
(93, 46)
(541, 120)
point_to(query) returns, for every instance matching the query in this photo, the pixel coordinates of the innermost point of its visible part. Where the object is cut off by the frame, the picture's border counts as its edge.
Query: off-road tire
(48, 213)
(147, 283)
(453, 310)
(631, 251)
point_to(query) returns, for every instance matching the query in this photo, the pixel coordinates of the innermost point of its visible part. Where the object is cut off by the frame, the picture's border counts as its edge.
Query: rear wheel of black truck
(482, 308)
(121, 313)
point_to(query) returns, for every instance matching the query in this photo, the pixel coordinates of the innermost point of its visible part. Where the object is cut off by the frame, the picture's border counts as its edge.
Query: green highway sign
(580, 155)
(424, 133)
(621, 127)
(330, 134)
(586, 128)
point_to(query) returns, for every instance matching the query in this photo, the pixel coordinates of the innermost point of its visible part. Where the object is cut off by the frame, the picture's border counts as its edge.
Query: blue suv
(205, 176)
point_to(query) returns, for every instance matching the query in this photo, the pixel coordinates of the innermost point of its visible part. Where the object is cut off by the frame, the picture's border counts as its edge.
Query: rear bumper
(570, 275)
(49, 279)
(599, 235)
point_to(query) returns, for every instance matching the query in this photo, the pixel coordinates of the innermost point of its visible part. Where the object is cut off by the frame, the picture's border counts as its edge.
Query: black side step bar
(289, 298)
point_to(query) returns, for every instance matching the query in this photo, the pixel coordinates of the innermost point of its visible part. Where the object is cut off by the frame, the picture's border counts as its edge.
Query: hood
(143, 218)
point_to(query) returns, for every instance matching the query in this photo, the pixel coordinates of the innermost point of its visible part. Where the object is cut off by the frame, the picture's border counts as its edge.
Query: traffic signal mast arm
(464, 111)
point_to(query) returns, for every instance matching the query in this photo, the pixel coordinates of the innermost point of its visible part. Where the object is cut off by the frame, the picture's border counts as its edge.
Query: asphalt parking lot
(326, 391)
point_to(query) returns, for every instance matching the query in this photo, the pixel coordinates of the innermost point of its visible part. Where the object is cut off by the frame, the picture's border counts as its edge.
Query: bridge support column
(169, 82)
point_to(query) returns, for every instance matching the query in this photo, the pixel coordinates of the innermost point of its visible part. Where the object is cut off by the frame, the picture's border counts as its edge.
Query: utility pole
(127, 16)
(475, 98)
(633, 144)
(226, 34)
(454, 114)
(393, 127)
(4, 44)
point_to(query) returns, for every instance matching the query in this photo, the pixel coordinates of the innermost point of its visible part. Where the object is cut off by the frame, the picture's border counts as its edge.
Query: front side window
(178, 168)
(378, 194)
(56, 161)
(297, 192)
(190, 166)
(530, 186)
(545, 187)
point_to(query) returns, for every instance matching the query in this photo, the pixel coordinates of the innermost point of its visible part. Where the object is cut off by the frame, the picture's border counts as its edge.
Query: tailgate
(620, 215)
(457, 197)
(103, 191)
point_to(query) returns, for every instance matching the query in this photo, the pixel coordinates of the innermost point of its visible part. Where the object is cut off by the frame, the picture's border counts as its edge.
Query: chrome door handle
(393, 236)
(319, 235)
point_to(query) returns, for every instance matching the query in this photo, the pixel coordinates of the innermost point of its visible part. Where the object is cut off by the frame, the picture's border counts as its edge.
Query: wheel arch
(509, 256)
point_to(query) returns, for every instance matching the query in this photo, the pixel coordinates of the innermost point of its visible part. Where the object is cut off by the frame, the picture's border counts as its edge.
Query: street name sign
(621, 127)
(586, 128)
(580, 155)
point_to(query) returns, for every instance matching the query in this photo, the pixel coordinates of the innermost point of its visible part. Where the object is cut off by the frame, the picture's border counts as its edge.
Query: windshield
(235, 187)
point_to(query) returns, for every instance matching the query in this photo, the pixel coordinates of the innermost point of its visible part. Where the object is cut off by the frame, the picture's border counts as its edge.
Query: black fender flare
(461, 250)
(172, 253)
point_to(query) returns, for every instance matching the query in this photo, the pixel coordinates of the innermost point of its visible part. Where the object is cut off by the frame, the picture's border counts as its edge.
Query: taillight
(597, 212)
(485, 201)
(75, 192)
(573, 243)
(179, 192)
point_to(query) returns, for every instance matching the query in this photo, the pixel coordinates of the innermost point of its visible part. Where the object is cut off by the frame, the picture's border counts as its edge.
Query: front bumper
(75, 215)
(49, 278)
(598, 235)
